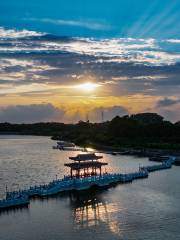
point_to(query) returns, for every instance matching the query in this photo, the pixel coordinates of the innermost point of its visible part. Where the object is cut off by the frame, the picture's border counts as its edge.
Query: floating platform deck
(69, 184)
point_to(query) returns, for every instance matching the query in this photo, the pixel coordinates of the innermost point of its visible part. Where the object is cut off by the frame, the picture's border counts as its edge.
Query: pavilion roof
(86, 157)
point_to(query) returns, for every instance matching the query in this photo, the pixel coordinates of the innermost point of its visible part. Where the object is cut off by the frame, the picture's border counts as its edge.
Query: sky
(66, 60)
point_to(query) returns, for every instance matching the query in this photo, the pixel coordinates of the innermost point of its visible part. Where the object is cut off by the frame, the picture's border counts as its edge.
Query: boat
(114, 153)
(159, 158)
(86, 157)
(64, 144)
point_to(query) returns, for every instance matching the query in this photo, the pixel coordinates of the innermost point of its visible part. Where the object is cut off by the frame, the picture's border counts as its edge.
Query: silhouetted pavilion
(85, 165)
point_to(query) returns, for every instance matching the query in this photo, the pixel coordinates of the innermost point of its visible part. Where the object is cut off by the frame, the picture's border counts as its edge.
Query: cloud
(149, 51)
(171, 114)
(13, 33)
(44, 68)
(22, 71)
(94, 114)
(172, 41)
(47, 112)
(166, 102)
(108, 113)
(88, 24)
(30, 113)
(117, 50)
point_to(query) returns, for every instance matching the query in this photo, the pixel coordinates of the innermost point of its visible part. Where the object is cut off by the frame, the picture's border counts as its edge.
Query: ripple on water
(146, 209)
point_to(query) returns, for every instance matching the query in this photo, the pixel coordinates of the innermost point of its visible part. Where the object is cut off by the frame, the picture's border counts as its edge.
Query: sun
(88, 87)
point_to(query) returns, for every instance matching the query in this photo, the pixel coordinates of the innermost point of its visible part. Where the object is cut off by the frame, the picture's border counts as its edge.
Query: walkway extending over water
(21, 197)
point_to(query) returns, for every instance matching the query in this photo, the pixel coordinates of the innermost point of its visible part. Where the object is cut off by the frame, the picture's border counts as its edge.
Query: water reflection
(9, 211)
(91, 210)
(136, 211)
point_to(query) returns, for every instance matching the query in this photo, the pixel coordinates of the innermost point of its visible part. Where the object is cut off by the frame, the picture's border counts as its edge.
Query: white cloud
(12, 33)
(118, 50)
(89, 24)
(145, 51)
(147, 77)
(172, 40)
(21, 69)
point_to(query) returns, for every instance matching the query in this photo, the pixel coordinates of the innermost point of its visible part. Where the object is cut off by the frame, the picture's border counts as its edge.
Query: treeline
(145, 130)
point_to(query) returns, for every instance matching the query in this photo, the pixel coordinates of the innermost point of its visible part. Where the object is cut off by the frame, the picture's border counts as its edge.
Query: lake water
(145, 209)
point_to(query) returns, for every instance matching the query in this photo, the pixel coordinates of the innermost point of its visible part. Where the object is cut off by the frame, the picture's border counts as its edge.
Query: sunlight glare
(88, 87)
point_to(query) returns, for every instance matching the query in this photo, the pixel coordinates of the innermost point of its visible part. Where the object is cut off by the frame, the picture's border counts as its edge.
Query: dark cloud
(30, 113)
(166, 102)
(47, 112)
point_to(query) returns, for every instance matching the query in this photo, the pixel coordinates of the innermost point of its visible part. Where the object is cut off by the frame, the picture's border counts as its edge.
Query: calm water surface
(146, 209)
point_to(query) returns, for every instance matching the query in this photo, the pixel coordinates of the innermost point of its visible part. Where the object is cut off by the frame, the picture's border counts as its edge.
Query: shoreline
(140, 151)
(136, 150)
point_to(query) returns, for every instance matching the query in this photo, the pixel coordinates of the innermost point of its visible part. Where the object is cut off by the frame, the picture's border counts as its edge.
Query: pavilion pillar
(71, 172)
(100, 171)
(78, 173)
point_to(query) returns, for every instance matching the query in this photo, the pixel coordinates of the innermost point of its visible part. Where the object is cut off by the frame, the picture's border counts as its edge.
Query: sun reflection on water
(91, 211)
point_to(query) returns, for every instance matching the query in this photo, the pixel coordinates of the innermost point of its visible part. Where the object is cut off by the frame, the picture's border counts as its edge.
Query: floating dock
(80, 182)
(16, 200)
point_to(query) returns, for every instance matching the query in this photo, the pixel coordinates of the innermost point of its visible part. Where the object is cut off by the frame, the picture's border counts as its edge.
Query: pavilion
(84, 165)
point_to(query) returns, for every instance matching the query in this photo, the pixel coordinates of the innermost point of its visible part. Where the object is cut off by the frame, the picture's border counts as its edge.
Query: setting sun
(88, 86)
